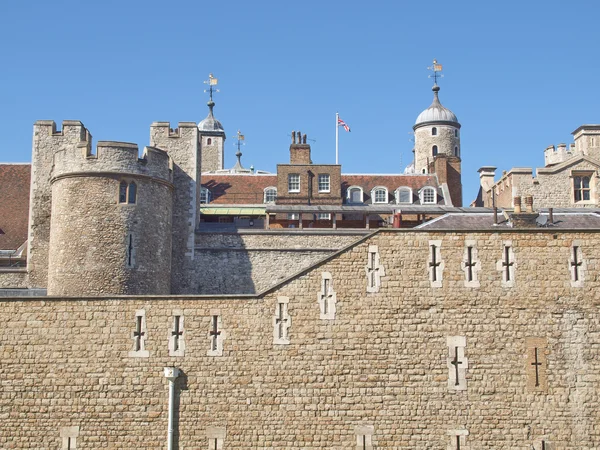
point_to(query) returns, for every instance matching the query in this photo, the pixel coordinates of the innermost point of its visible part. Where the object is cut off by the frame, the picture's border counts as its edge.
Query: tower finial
(436, 69)
(212, 81)
(239, 142)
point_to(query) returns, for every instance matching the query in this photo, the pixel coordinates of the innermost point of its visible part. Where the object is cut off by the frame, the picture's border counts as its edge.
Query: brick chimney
(299, 149)
(527, 219)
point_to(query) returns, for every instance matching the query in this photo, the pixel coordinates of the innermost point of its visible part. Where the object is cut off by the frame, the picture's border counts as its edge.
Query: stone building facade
(415, 355)
(471, 330)
(569, 178)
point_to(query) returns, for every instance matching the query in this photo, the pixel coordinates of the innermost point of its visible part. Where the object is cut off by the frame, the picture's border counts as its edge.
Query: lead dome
(210, 123)
(436, 113)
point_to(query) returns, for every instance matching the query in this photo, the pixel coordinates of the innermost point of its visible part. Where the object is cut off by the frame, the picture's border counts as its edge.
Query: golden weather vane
(436, 69)
(212, 81)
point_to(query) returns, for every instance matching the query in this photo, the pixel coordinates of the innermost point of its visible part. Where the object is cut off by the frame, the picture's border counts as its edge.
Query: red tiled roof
(249, 189)
(238, 189)
(14, 204)
(391, 182)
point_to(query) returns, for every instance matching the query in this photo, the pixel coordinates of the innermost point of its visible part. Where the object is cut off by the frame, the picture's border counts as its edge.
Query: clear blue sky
(520, 75)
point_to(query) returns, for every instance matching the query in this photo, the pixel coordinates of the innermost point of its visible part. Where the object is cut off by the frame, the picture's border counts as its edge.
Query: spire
(238, 165)
(210, 123)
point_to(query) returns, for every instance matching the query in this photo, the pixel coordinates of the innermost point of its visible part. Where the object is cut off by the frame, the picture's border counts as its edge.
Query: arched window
(123, 192)
(434, 150)
(127, 192)
(379, 195)
(455, 133)
(270, 194)
(581, 188)
(404, 195)
(132, 194)
(456, 151)
(354, 194)
(434, 131)
(205, 196)
(209, 141)
(428, 196)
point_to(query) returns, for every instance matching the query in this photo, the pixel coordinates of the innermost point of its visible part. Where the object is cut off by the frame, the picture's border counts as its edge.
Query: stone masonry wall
(556, 189)
(16, 279)
(380, 364)
(424, 142)
(182, 146)
(46, 142)
(248, 263)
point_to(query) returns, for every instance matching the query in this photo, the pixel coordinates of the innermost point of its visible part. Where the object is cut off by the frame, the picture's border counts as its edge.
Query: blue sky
(520, 75)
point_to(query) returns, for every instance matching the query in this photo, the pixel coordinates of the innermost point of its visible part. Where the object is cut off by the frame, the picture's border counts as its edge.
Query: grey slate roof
(469, 221)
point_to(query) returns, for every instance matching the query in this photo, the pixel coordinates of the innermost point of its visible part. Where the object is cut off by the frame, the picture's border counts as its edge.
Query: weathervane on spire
(436, 69)
(239, 142)
(212, 81)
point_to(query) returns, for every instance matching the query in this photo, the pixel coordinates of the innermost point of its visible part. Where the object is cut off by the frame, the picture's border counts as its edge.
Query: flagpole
(337, 137)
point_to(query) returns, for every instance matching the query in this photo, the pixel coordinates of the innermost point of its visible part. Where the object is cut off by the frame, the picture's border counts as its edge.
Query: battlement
(164, 129)
(112, 157)
(556, 155)
(70, 128)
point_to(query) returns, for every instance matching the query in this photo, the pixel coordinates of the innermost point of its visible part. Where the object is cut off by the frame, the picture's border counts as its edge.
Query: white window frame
(574, 189)
(266, 192)
(349, 194)
(324, 182)
(404, 189)
(205, 195)
(323, 216)
(422, 195)
(293, 216)
(295, 175)
(374, 194)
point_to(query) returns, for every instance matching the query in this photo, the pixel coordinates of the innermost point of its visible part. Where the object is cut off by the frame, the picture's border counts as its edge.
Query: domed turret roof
(436, 112)
(210, 123)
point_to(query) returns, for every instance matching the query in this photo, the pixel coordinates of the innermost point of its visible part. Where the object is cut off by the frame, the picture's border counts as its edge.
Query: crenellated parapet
(112, 158)
(556, 155)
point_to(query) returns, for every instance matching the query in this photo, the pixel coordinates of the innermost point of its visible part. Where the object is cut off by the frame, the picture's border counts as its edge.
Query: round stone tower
(110, 230)
(212, 141)
(437, 132)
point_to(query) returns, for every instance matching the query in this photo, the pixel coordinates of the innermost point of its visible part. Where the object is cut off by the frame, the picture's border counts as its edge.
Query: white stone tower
(211, 135)
(437, 131)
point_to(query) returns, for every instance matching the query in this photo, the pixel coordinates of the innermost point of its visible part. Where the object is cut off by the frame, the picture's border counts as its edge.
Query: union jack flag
(341, 123)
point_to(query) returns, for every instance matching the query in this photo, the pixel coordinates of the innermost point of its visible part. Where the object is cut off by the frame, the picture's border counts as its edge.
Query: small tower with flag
(211, 133)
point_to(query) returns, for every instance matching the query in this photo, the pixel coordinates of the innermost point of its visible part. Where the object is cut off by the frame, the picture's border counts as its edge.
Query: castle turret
(211, 135)
(437, 134)
(111, 220)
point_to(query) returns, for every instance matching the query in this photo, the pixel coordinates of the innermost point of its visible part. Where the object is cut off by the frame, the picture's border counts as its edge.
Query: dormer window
(404, 195)
(428, 196)
(379, 195)
(434, 131)
(355, 194)
(270, 194)
(205, 196)
(434, 150)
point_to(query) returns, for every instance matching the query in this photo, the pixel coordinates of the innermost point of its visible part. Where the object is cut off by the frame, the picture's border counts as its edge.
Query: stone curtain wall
(381, 366)
(248, 263)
